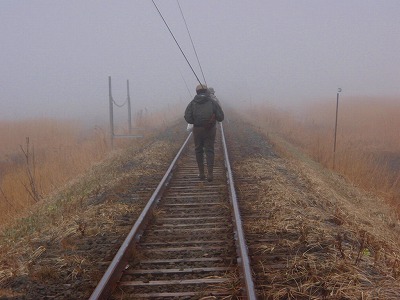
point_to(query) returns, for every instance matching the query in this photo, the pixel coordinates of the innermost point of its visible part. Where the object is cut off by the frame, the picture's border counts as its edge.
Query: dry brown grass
(67, 236)
(368, 139)
(333, 247)
(58, 152)
(311, 233)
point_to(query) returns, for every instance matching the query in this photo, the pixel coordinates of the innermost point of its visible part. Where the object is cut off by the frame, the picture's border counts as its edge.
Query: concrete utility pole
(337, 108)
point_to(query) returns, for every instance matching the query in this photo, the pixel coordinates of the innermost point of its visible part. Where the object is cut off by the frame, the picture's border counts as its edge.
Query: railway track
(188, 242)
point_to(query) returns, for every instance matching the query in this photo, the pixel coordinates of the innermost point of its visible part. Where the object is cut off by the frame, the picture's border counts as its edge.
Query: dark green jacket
(200, 110)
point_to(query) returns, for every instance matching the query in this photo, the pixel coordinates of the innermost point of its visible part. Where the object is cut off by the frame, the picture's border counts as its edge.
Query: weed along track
(188, 242)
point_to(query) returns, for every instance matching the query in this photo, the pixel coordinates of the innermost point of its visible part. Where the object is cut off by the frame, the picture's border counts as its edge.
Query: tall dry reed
(58, 151)
(47, 152)
(367, 141)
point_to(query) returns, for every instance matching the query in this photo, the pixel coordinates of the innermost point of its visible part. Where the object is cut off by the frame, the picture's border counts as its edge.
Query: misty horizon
(56, 56)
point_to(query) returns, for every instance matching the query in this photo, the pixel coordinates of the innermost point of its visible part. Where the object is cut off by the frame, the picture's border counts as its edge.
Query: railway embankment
(311, 233)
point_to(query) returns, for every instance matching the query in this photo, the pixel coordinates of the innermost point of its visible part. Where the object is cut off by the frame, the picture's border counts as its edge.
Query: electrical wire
(119, 105)
(177, 42)
(191, 40)
(191, 96)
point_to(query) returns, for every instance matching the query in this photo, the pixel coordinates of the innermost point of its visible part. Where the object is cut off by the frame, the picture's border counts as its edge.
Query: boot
(200, 164)
(210, 165)
(210, 176)
(201, 176)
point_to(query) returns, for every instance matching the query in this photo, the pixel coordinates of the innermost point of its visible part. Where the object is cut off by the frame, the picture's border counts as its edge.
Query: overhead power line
(191, 40)
(191, 96)
(176, 42)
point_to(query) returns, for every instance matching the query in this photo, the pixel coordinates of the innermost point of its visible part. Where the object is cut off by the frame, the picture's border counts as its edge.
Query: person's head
(201, 89)
(211, 90)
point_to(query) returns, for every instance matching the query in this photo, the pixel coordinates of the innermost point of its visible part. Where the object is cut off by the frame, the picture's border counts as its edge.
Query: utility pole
(129, 108)
(337, 108)
(111, 103)
(111, 112)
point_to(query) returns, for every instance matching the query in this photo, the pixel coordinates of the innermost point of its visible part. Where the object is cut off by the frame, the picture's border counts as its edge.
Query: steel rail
(244, 260)
(118, 264)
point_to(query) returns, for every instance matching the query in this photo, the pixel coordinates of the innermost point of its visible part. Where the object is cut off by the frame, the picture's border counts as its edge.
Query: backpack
(204, 114)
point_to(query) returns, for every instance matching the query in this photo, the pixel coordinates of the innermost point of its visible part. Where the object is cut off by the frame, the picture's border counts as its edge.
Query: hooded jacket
(200, 111)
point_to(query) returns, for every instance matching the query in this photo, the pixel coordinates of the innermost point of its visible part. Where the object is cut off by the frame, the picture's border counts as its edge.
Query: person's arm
(219, 113)
(189, 114)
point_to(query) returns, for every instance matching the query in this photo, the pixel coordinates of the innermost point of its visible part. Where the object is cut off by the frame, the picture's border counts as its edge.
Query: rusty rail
(118, 264)
(243, 260)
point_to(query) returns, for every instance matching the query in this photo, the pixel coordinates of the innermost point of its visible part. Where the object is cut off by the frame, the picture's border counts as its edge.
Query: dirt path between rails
(312, 235)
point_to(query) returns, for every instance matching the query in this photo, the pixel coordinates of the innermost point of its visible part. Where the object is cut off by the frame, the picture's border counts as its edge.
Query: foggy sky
(56, 56)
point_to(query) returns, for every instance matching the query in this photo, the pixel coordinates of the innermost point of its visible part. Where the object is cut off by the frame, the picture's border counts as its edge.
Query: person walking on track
(203, 112)
(212, 94)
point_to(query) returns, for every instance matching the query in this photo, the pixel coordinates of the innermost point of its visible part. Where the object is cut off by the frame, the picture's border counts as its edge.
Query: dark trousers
(204, 140)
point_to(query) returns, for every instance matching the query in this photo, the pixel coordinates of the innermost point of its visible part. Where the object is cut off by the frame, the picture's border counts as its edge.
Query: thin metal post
(111, 112)
(129, 108)
(337, 109)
